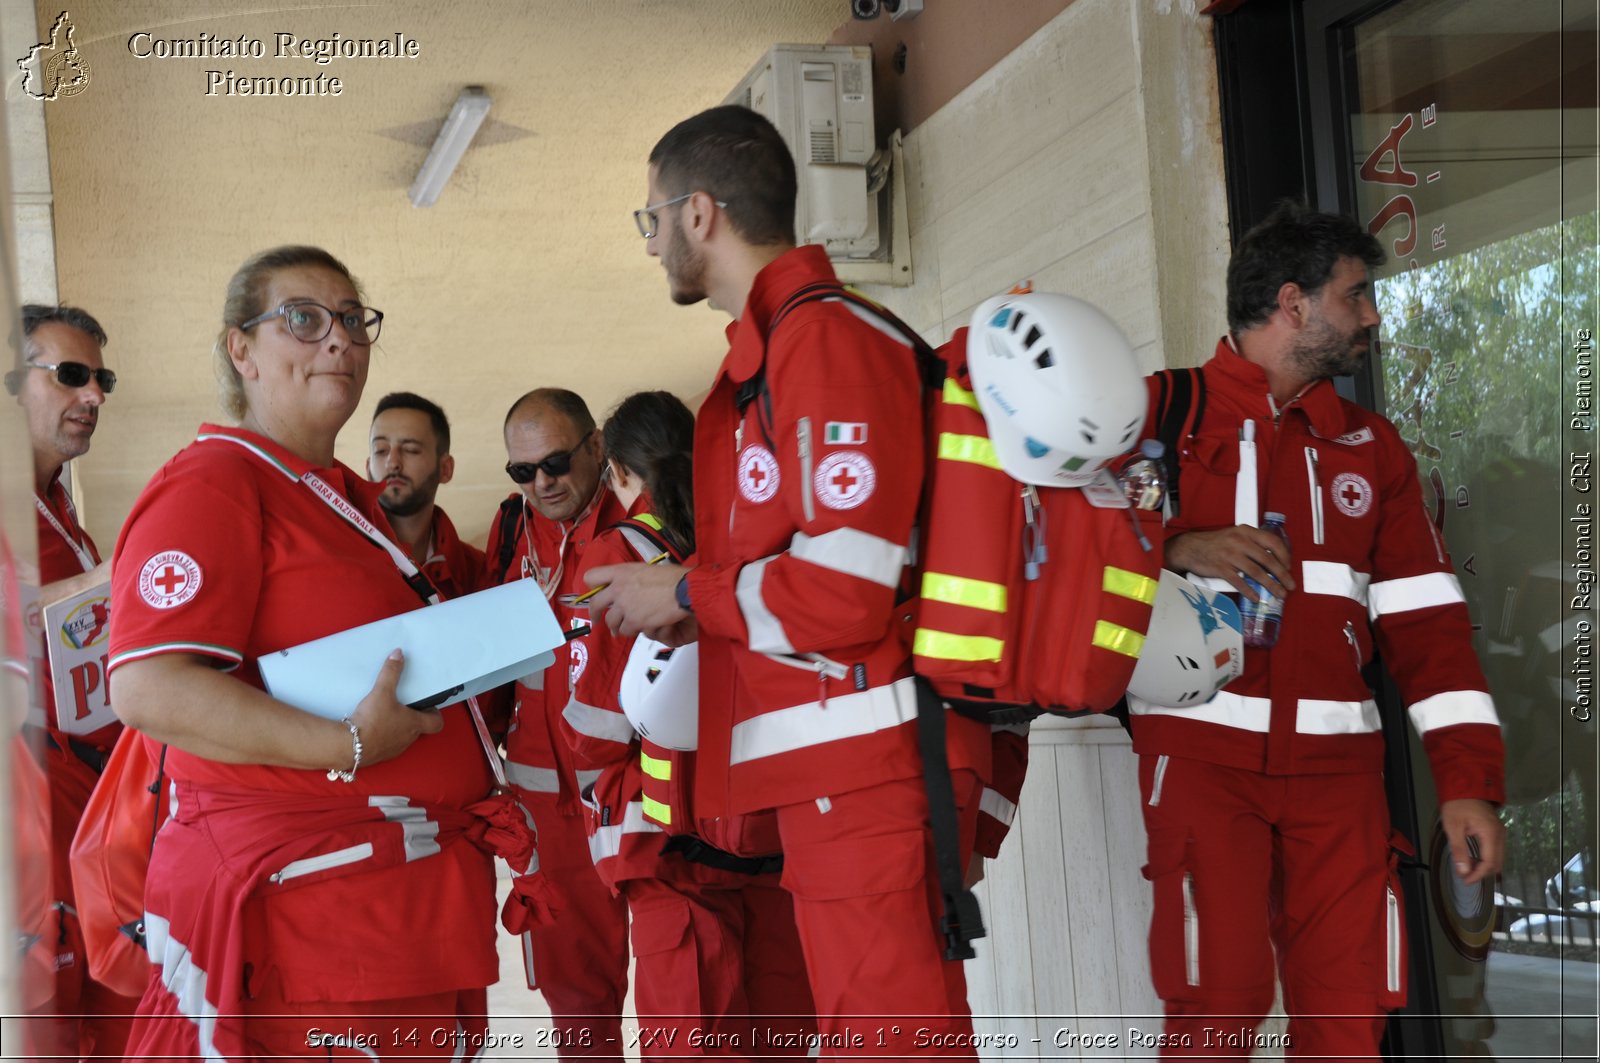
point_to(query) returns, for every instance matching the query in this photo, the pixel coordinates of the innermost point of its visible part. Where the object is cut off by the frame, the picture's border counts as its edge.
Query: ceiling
(528, 272)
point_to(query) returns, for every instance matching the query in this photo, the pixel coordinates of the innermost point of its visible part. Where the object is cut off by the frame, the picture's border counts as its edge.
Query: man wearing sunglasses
(61, 382)
(580, 964)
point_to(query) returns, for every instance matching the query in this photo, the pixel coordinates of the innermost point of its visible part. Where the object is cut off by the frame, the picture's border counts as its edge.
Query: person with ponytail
(713, 931)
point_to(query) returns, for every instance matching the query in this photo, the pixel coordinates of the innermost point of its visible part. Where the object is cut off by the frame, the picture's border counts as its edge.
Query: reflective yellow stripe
(959, 590)
(1120, 581)
(1117, 639)
(956, 395)
(943, 646)
(655, 767)
(649, 519)
(656, 810)
(974, 449)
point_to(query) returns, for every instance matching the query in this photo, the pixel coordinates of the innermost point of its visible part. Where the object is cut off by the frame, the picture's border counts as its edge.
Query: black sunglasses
(76, 374)
(523, 472)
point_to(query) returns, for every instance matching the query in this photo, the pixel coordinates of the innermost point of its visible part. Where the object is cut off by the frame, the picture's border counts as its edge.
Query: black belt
(95, 758)
(698, 851)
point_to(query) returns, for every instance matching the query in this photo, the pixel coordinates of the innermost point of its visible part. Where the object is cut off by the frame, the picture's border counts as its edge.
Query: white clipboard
(454, 650)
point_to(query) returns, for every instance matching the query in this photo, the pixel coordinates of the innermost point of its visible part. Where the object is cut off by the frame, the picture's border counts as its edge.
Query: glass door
(1464, 135)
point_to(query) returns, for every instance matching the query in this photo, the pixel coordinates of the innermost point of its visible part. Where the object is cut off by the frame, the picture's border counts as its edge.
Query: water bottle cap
(1153, 448)
(1275, 518)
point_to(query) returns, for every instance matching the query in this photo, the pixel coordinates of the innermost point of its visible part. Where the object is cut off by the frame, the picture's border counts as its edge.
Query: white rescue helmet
(1058, 385)
(660, 693)
(1194, 648)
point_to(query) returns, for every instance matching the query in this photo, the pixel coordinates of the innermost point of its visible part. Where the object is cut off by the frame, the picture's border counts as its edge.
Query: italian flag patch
(845, 432)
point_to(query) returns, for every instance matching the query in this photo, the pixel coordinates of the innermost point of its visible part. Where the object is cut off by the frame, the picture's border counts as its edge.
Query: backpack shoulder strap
(510, 513)
(1180, 405)
(645, 537)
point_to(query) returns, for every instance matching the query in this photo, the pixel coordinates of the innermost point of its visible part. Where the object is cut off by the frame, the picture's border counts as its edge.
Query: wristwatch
(681, 593)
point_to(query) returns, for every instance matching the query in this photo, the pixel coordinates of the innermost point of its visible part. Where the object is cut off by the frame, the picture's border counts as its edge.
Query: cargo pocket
(888, 863)
(1392, 993)
(668, 962)
(1175, 922)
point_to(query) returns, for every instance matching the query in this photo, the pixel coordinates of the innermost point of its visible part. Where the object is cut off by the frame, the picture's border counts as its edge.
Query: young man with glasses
(61, 382)
(408, 451)
(806, 699)
(554, 456)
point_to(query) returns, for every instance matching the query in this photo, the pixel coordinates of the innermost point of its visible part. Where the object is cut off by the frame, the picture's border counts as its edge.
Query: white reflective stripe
(1331, 577)
(1453, 707)
(528, 777)
(853, 552)
(1415, 592)
(533, 681)
(1314, 717)
(1246, 509)
(765, 632)
(812, 724)
(1159, 781)
(595, 722)
(873, 319)
(995, 805)
(421, 834)
(185, 980)
(606, 841)
(587, 779)
(350, 854)
(1227, 709)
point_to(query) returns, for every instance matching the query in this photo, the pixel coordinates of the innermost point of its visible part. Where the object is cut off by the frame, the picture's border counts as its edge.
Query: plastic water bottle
(1142, 477)
(1262, 619)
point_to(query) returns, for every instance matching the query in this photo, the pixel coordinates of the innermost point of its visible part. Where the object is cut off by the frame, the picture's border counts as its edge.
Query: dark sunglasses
(523, 472)
(76, 374)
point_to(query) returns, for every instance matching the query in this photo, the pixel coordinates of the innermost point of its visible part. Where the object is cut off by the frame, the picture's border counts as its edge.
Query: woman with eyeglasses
(319, 880)
(713, 931)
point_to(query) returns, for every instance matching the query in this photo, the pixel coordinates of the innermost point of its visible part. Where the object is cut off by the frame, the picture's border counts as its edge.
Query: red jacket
(1368, 563)
(804, 506)
(453, 567)
(538, 756)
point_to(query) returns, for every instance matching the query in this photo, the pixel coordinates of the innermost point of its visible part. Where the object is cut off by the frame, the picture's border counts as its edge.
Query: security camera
(866, 9)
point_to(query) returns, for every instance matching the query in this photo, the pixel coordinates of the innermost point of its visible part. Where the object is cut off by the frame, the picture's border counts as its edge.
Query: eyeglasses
(76, 374)
(645, 217)
(556, 465)
(311, 322)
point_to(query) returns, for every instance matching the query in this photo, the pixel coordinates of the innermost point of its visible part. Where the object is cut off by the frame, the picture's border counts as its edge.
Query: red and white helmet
(1194, 647)
(660, 693)
(1058, 385)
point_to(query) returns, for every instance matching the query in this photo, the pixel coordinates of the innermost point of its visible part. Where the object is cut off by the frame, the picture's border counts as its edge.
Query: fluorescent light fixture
(468, 113)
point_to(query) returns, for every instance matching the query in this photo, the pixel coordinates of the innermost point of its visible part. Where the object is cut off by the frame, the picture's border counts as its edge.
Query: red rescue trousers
(1245, 865)
(719, 971)
(861, 868)
(580, 963)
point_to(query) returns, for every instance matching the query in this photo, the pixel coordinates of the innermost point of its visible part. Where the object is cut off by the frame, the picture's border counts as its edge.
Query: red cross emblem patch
(169, 579)
(758, 473)
(844, 480)
(1352, 494)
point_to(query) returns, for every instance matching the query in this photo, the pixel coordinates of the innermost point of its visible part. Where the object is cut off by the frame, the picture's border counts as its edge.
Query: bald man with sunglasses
(61, 382)
(555, 457)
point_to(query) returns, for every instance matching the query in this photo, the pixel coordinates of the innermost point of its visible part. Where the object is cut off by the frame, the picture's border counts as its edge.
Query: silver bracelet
(334, 774)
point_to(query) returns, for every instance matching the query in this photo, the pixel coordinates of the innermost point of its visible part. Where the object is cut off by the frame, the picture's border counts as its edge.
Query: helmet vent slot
(1032, 337)
(1045, 359)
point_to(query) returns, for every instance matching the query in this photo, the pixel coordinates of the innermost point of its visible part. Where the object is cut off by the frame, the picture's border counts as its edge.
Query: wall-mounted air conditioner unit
(852, 197)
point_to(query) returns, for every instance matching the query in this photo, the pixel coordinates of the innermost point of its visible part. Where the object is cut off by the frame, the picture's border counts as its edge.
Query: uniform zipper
(1191, 932)
(1316, 495)
(803, 430)
(1393, 927)
(1355, 647)
(1161, 777)
(312, 864)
